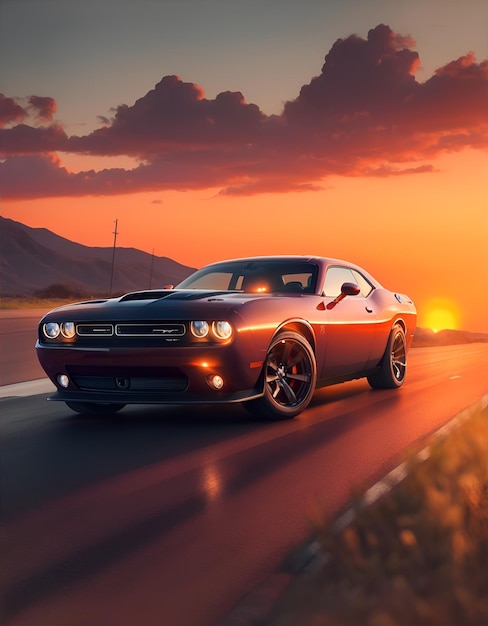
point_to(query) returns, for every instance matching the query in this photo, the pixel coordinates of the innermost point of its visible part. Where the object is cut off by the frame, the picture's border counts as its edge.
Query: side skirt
(326, 382)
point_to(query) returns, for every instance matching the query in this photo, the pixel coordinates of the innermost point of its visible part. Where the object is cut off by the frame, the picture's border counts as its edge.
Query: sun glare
(441, 315)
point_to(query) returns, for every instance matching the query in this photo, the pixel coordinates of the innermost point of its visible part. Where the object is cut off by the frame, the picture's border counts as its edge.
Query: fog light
(63, 380)
(216, 381)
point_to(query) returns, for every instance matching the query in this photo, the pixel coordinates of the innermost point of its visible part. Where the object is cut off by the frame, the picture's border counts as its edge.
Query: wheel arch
(399, 321)
(298, 326)
(287, 386)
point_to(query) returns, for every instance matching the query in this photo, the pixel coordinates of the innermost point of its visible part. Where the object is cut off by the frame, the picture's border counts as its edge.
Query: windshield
(255, 277)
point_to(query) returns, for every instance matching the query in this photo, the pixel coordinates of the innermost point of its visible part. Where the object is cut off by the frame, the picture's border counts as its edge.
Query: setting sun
(441, 314)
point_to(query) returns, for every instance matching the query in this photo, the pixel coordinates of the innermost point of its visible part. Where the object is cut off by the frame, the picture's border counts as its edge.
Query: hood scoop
(145, 295)
(194, 294)
(178, 294)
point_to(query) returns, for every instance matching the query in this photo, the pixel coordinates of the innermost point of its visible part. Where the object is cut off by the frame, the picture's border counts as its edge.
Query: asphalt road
(18, 334)
(169, 516)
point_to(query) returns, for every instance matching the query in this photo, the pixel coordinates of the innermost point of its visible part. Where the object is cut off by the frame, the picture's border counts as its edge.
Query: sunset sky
(213, 129)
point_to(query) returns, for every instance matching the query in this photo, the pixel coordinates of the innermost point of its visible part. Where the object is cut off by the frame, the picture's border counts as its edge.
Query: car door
(351, 324)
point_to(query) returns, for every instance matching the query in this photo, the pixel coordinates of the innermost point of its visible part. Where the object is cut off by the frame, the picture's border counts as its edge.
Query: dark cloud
(24, 139)
(365, 114)
(45, 176)
(43, 107)
(48, 178)
(10, 111)
(174, 115)
(455, 98)
(40, 108)
(359, 77)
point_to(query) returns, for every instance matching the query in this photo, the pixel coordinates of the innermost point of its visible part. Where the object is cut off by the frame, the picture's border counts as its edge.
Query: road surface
(169, 516)
(18, 334)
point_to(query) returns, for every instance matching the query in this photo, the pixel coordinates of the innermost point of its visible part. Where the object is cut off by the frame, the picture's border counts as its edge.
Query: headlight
(51, 330)
(222, 330)
(68, 329)
(199, 329)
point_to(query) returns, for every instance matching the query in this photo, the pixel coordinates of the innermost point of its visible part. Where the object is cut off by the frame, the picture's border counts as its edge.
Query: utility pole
(115, 233)
(151, 273)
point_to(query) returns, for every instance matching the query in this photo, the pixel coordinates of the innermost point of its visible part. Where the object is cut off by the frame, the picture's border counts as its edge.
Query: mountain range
(35, 259)
(425, 337)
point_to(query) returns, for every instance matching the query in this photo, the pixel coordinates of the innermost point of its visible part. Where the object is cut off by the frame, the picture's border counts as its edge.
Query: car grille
(167, 380)
(131, 329)
(95, 330)
(124, 383)
(150, 330)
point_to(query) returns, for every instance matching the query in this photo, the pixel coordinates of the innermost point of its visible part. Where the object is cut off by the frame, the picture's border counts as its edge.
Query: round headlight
(68, 329)
(222, 329)
(199, 328)
(51, 330)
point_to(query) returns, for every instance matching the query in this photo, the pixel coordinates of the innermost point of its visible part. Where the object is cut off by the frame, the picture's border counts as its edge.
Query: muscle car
(264, 331)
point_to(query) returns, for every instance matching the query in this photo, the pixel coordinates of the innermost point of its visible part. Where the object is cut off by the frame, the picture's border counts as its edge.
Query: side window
(335, 278)
(300, 283)
(364, 284)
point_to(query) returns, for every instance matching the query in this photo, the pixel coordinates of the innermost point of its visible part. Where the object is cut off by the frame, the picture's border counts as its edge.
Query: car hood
(161, 304)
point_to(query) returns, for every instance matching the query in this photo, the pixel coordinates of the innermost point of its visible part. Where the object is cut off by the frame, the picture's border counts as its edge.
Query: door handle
(368, 309)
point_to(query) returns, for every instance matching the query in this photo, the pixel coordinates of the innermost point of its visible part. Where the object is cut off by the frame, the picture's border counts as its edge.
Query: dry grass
(418, 556)
(30, 303)
(34, 303)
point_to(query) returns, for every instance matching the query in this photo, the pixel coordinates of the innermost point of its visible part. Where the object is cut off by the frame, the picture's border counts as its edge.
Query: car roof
(276, 257)
(323, 262)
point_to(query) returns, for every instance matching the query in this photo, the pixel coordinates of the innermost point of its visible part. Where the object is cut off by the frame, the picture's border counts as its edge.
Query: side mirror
(347, 289)
(169, 287)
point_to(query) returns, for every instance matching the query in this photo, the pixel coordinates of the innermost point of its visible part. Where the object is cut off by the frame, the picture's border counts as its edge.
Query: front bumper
(159, 375)
(155, 398)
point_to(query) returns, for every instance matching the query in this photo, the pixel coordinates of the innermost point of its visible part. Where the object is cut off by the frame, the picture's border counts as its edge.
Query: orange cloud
(364, 115)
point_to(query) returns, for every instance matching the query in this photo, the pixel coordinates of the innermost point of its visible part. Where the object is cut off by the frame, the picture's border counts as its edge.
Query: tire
(290, 376)
(393, 366)
(94, 408)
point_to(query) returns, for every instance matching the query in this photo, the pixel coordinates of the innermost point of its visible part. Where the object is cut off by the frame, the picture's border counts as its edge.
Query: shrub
(58, 291)
(418, 556)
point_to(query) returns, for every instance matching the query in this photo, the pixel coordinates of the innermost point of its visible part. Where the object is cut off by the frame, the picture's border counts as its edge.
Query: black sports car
(265, 331)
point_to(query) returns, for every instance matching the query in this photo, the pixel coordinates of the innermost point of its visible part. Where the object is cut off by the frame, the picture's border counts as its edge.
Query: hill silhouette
(34, 259)
(425, 337)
